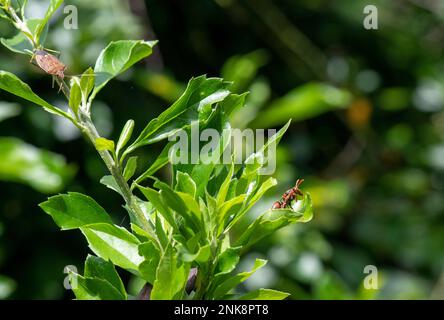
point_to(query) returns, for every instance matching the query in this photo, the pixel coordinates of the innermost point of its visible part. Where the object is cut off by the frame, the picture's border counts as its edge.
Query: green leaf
(161, 230)
(44, 171)
(254, 162)
(171, 277)
(141, 234)
(223, 190)
(227, 209)
(253, 198)
(303, 103)
(114, 243)
(125, 135)
(130, 168)
(231, 282)
(185, 183)
(201, 173)
(273, 220)
(200, 94)
(154, 197)
(175, 202)
(74, 210)
(75, 96)
(201, 256)
(22, 4)
(116, 58)
(103, 144)
(264, 294)
(52, 8)
(93, 288)
(161, 161)
(242, 69)
(151, 260)
(10, 83)
(111, 183)
(20, 43)
(233, 103)
(228, 260)
(191, 204)
(87, 84)
(96, 267)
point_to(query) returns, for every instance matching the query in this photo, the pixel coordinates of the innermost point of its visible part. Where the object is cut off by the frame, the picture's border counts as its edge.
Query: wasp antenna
(299, 182)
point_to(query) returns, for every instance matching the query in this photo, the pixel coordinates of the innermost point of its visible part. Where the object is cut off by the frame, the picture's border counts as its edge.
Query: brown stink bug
(49, 63)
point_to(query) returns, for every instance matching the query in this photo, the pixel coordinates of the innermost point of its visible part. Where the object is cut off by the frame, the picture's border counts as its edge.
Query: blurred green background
(367, 135)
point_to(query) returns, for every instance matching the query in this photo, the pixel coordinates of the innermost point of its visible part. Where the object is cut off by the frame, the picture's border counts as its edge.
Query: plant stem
(90, 131)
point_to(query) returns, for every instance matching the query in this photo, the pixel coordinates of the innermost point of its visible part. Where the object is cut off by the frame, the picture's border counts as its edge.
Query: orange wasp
(289, 196)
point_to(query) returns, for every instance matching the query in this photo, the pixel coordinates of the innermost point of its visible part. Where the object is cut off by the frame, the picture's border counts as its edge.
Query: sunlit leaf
(20, 43)
(151, 260)
(264, 294)
(96, 267)
(199, 95)
(125, 135)
(185, 183)
(171, 277)
(52, 8)
(116, 58)
(130, 168)
(42, 170)
(114, 243)
(231, 282)
(75, 96)
(104, 144)
(74, 210)
(86, 288)
(305, 102)
(10, 83)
